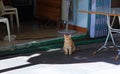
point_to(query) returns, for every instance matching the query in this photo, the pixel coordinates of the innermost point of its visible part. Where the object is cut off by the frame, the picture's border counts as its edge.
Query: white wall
(79, 19)
(82, 18)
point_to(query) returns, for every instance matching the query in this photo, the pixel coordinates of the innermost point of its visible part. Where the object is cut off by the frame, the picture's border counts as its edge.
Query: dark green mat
(32, 47)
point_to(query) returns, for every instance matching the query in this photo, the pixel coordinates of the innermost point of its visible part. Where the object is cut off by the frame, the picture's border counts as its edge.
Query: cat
(69, 46)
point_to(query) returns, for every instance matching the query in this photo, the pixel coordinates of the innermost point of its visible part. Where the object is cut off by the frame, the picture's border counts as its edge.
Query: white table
(115, 12)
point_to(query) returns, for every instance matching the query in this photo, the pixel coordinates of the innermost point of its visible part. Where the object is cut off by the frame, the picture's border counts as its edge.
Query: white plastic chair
(5, 20)
(9, 10)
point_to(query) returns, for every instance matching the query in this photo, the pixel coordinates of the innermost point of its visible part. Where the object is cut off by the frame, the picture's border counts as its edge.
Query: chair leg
(119, 19)
(11, 20)
(8, 29)
(17, 20)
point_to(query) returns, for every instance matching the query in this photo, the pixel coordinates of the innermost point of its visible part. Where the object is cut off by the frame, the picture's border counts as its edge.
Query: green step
(49, 44)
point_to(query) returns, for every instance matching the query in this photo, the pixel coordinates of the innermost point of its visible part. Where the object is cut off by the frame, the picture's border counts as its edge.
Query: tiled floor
(29, 26)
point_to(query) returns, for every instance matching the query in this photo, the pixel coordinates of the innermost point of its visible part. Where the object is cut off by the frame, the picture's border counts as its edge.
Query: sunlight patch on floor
(75, 68)
(51, 50)
(16, 61)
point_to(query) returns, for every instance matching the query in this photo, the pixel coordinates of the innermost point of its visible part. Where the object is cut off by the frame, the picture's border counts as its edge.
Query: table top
(109, 12)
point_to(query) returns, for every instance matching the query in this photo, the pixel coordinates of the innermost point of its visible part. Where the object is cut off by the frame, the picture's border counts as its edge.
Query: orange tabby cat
(69, 46)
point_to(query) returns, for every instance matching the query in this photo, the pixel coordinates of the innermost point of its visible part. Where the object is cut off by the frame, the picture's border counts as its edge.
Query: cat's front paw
(66, 53)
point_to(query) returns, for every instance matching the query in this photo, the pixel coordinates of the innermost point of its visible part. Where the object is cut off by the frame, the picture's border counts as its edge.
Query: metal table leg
(110, 35)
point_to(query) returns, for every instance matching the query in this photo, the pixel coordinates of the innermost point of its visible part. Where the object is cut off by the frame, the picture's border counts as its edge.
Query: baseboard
(78, 29)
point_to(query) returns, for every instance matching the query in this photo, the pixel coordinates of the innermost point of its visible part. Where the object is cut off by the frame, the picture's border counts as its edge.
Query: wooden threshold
(74, 27)
(77, 28)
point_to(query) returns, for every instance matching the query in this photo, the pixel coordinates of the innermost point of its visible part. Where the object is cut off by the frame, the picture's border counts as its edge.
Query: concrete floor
(54, 61)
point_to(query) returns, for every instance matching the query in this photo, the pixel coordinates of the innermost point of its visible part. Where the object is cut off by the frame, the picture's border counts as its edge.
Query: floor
(54, 61)
(28, 27)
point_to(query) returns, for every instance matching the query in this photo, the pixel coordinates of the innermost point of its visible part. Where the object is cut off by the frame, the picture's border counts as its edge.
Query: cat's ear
(64, 35)
(69, 35)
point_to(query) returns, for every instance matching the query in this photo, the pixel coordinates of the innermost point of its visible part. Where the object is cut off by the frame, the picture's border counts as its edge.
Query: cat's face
(67, 37)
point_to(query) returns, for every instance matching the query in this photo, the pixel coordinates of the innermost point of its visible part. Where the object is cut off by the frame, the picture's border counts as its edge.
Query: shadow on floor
(58, 57)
